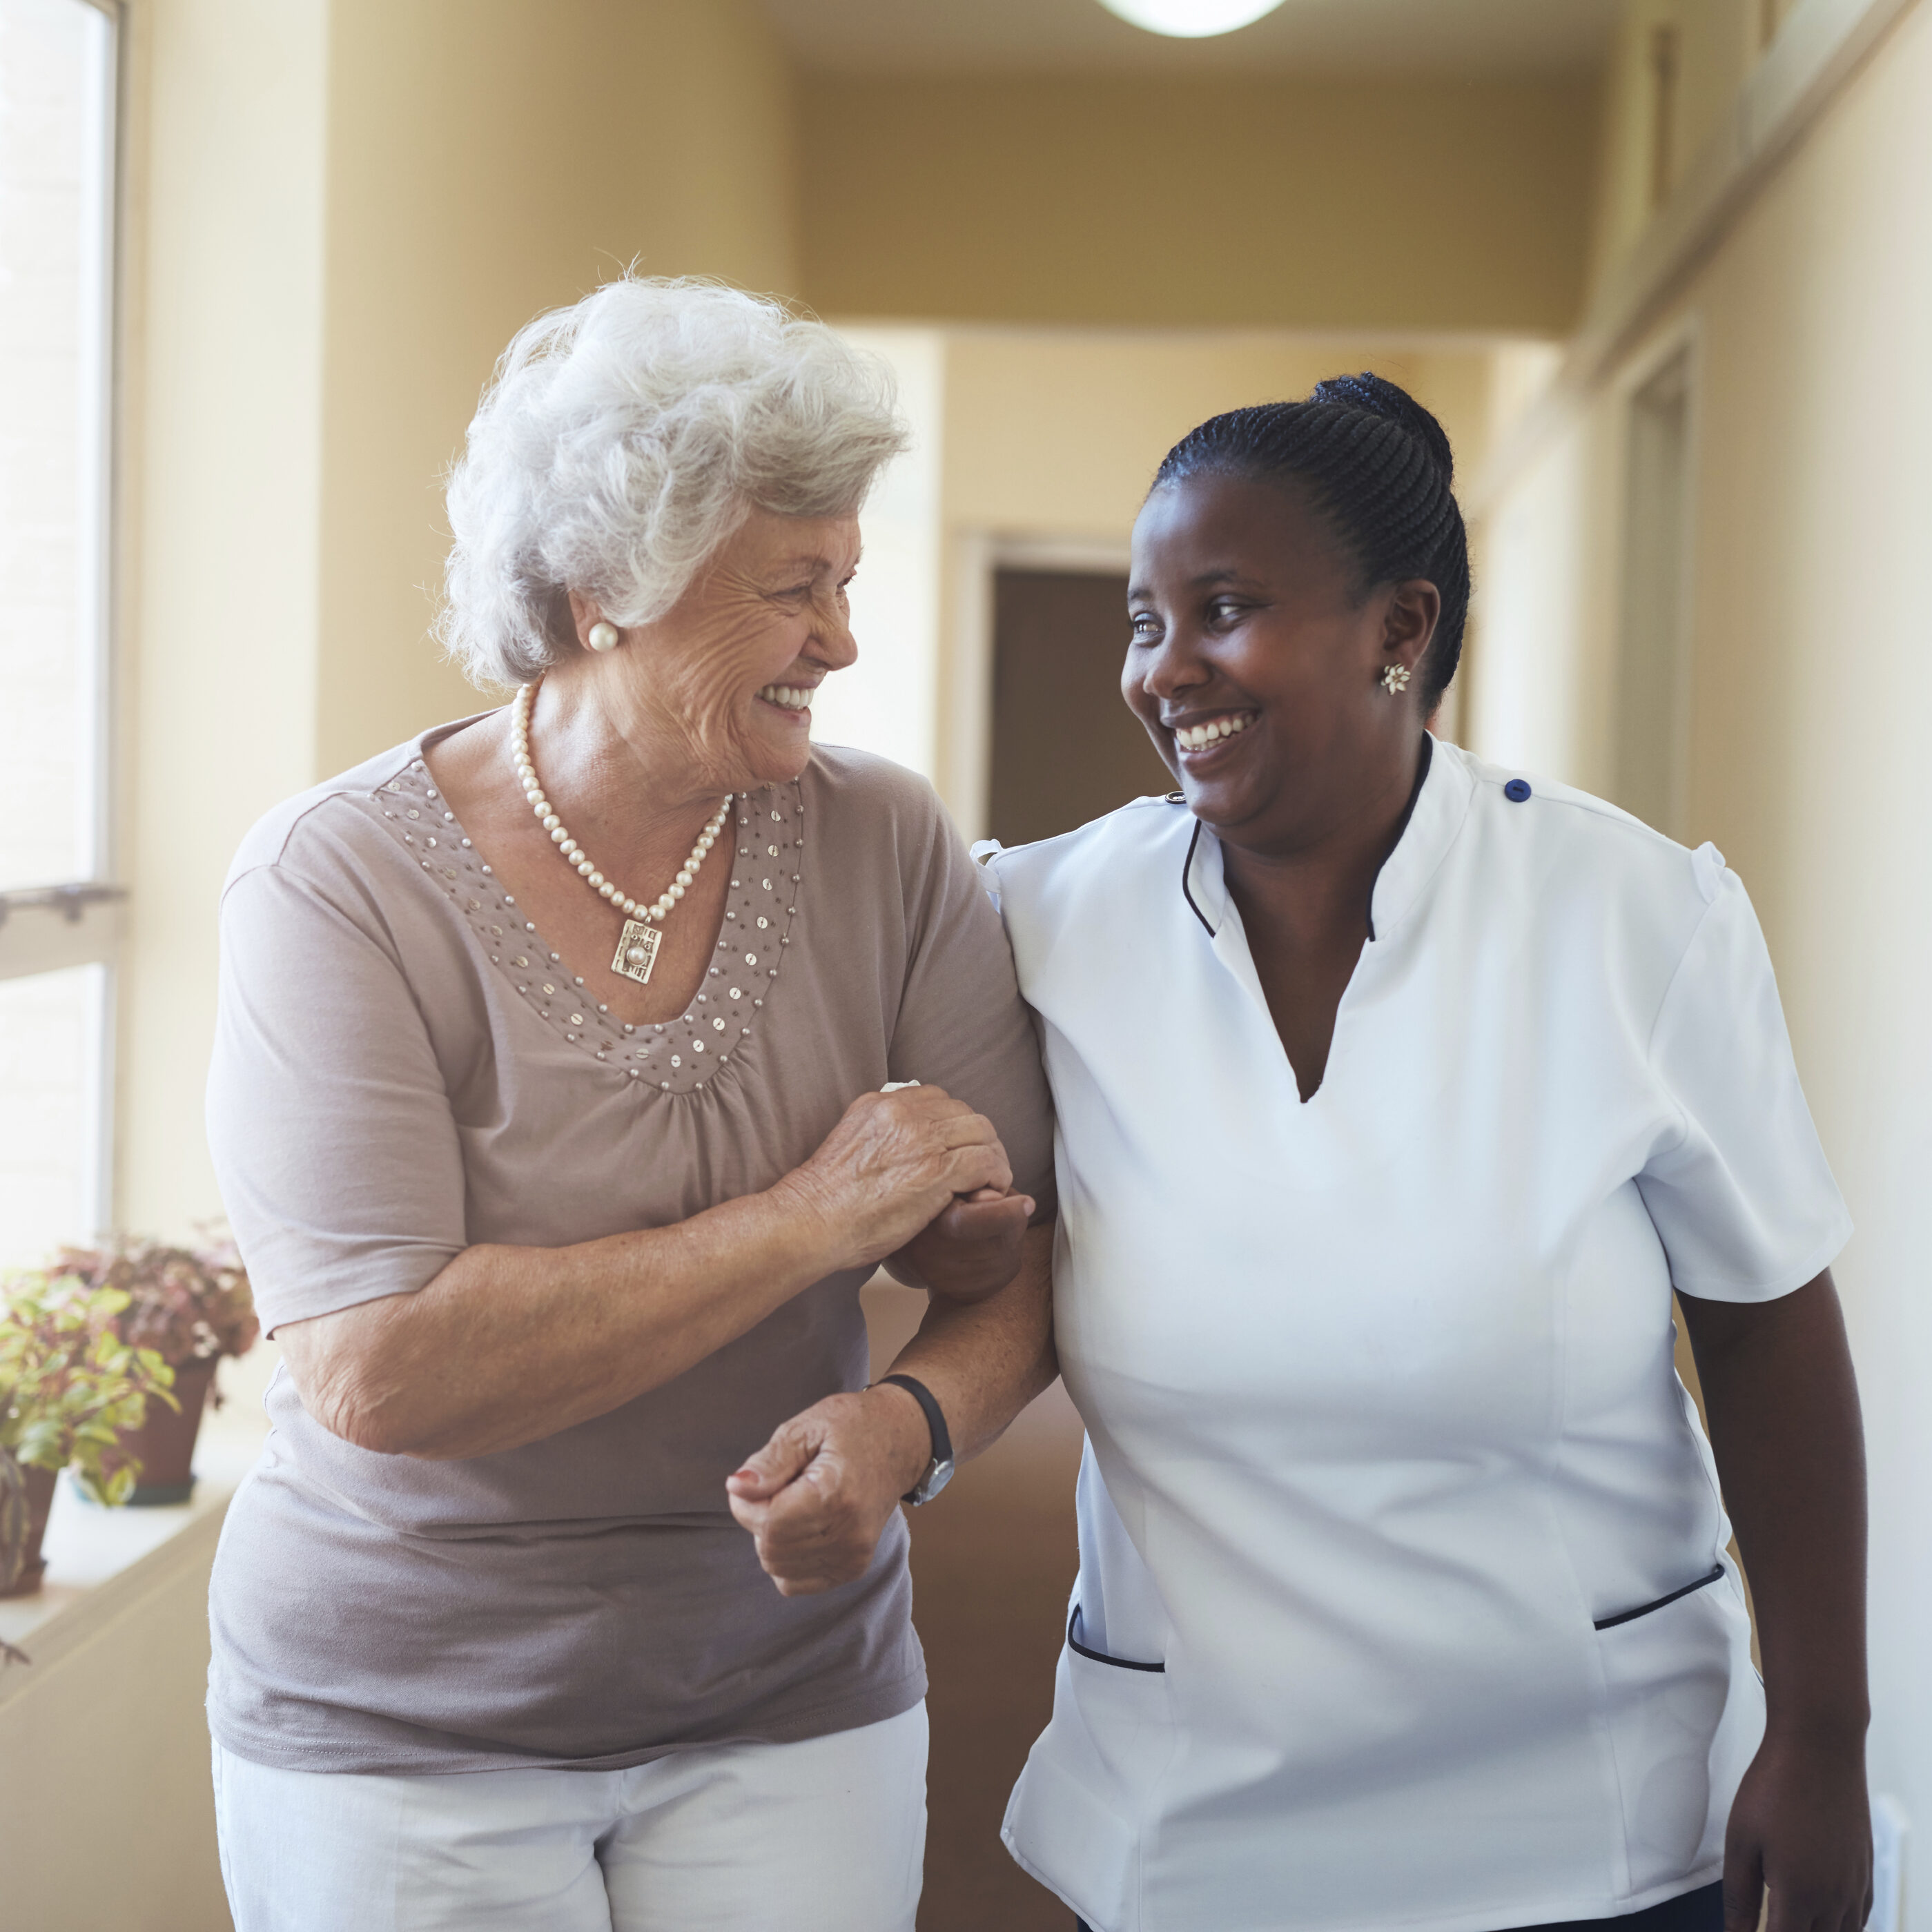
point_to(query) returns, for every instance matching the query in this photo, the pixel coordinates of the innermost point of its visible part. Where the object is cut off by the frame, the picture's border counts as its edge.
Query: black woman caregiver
(1396, 1093)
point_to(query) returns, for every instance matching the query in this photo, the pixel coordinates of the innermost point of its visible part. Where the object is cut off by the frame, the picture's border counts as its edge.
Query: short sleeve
(1742, 1199)
(334, 1140)
(962, 1023)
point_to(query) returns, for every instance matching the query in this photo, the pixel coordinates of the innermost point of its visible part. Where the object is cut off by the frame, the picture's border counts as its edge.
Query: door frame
(1682, 342)
(965, 749)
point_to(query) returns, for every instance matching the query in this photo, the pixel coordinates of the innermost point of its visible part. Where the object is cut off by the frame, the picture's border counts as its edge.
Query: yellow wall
(1278, 203)
(106, 1805)
(1812, 497)
(1057, 433)
(221, 481)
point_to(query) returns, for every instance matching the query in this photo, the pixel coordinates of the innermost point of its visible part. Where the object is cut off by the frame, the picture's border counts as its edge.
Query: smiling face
(720, 687)
(1256, 667)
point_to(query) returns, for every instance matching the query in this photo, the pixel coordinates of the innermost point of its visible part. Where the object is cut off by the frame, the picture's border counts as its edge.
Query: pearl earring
(602, 637)
(1395, 679)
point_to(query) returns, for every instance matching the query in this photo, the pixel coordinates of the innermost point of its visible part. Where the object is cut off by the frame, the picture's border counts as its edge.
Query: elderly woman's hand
(894, 1163)
(817, 1496)
(971, 1250)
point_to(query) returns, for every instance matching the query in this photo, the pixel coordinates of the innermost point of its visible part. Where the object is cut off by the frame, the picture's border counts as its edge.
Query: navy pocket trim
(1074, 1644)
(1645, 1609)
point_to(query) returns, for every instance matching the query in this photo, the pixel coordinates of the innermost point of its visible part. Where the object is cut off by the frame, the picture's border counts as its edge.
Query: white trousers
(825, 1836)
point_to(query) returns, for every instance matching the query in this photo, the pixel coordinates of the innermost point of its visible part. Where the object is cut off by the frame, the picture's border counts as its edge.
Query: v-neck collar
(679, 1057)
(1437, 806)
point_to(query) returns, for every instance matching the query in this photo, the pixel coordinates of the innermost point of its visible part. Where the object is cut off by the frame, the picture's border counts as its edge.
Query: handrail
(71, 901)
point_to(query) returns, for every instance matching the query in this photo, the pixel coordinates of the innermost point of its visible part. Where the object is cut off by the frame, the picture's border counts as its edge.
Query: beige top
(403, 1068)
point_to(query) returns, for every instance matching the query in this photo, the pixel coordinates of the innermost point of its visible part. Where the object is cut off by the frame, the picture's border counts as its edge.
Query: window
(59, 916)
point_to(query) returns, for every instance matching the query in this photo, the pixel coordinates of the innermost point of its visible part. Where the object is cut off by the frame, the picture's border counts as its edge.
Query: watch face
(938, 1475)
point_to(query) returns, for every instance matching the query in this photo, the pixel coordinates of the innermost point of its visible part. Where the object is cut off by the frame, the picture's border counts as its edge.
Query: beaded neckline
(705, 1043)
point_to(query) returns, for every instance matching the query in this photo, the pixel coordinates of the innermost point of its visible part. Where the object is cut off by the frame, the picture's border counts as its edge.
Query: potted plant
(13, 1520)
(190, 1306)
(13, 1539)
(69, 1386)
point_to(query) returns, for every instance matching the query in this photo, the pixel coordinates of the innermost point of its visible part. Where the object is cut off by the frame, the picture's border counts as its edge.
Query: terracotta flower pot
(39, 1484)
(165, 1442)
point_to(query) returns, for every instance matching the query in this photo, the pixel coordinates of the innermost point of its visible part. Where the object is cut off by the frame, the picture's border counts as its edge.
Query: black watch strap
(935, 1420)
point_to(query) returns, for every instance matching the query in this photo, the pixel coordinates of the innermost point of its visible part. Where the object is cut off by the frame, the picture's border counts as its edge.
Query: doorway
(1652, 708)
(1065, 748)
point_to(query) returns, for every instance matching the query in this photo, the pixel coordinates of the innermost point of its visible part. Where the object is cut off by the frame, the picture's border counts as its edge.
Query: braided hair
(1378, 466)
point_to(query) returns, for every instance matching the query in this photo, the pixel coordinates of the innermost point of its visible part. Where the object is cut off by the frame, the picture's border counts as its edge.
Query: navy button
(1517, 790)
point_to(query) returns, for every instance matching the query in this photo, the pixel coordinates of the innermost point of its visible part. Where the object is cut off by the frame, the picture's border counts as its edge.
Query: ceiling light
(1190, 20)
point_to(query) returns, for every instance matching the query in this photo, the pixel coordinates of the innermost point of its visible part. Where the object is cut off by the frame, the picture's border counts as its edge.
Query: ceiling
(1462, 38)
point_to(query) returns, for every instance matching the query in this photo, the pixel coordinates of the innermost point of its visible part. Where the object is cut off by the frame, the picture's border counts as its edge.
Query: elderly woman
(547, 1103)
(1395, 1095)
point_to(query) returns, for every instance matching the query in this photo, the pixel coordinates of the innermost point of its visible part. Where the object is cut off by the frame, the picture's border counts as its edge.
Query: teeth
(1197, 737)
(792, 696)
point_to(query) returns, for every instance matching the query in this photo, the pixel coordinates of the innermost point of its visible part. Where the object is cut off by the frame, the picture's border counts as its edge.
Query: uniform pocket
(1079, 1649)
(1659, 1603)
(1076, 1815)
(1684, 1712)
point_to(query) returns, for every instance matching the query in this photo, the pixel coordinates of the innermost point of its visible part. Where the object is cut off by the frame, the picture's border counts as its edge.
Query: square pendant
(637, 951)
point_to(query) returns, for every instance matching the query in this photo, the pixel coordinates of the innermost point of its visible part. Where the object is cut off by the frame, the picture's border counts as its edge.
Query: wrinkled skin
(680, 696)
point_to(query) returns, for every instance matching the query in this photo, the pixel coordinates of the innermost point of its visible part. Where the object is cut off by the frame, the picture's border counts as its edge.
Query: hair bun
(1379, 396)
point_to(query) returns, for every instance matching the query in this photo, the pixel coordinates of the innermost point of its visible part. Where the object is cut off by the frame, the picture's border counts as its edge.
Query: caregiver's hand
(894, 1162)
(1784, 1408)
(817, 1495)
(971, 1250)
(1800, 1829)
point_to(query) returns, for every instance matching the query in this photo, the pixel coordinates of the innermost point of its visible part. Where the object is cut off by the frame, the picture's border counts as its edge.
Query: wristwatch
(939, 1471)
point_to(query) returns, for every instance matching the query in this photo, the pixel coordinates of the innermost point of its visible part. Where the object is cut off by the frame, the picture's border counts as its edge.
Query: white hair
(623, 439)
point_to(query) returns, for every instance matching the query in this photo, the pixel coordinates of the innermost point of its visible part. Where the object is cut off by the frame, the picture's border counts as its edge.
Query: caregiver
(1396, 1093)
(1403, 1589)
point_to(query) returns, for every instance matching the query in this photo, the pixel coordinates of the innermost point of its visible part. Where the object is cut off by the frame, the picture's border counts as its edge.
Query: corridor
(1662, 270)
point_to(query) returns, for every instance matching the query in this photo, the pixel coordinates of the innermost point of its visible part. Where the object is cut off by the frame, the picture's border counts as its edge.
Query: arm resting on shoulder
(819, 1493)
(1783, 1404)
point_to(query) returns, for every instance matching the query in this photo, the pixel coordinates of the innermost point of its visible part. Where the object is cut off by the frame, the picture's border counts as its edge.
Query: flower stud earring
(602, 637)
(1395, 679)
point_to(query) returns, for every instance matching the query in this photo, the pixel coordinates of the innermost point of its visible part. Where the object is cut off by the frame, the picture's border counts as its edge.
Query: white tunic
(1385, 1436)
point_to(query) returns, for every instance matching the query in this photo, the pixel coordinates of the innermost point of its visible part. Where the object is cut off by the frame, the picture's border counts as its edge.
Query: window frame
(80, 922)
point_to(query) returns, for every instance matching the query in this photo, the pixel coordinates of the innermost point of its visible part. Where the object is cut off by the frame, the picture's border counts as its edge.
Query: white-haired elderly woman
(550, 1106)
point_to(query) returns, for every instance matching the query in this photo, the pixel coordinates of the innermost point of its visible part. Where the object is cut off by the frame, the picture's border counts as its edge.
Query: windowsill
(101, 1562)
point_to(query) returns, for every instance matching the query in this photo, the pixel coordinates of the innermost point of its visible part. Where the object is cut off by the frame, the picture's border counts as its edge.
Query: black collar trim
(1187, 880)
(1422, 765)
(1423, 762)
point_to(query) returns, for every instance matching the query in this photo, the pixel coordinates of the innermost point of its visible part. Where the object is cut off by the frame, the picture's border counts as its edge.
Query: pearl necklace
(637, 948)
